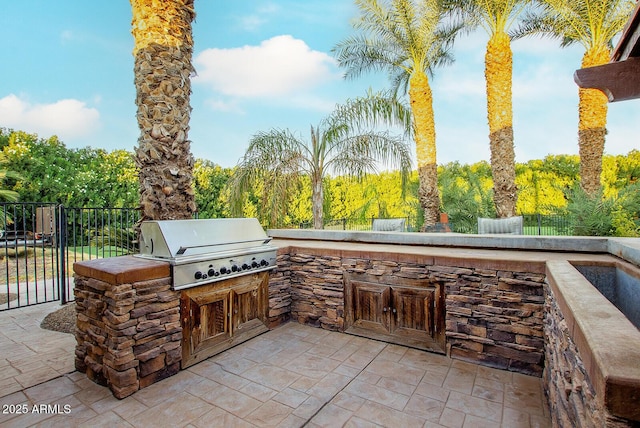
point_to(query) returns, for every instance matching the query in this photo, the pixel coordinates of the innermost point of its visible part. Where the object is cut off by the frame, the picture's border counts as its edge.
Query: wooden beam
(618, 80)
(628, 45)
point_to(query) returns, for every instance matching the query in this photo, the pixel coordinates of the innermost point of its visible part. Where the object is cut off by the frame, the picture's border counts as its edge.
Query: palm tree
(408, 40)
(496, 17)
(276, 159)
(163, 49)
(592, 23)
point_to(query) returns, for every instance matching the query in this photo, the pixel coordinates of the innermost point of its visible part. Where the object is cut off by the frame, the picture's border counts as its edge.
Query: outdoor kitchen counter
(430, 253)
(123, 269)
(607, 342)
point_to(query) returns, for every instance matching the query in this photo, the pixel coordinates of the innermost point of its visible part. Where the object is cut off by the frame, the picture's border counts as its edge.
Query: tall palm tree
(496, 17)
(342, 143)
(407, 39)
(592, 23)
(163, 49)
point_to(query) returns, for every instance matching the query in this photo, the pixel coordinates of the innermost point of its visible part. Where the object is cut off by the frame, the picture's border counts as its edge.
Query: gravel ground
(63, 320)
(4, 298)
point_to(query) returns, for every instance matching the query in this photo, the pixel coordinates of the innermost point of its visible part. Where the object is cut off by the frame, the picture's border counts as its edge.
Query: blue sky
(67, 70)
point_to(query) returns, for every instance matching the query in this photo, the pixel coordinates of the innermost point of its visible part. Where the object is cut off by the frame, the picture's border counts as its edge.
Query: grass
(22, 264)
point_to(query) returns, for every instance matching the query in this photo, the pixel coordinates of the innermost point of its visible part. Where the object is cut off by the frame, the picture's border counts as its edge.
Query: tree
(408, 40)
(163, 50)
(592, 23)
(209, 182)
(342, 143)
(496, 17)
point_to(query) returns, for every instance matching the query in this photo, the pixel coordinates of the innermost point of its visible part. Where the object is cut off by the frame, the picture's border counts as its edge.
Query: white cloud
(261, 16)
(279, 66)
(224, 106)
(68, 118)
(66, 35)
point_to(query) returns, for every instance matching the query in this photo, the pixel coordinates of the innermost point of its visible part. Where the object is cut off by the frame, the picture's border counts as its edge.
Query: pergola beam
(618, 80)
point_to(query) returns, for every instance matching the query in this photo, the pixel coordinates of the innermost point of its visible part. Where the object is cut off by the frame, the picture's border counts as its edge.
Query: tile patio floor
(291, 376)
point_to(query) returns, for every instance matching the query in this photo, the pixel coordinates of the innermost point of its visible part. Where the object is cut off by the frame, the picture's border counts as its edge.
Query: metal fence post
(62, 247)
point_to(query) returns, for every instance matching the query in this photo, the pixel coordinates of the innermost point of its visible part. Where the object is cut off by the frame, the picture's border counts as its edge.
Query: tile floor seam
(24, 388)
(343, 388)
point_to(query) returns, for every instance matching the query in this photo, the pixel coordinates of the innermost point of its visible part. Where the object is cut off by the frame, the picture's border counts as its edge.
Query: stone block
(159, 375)
(121, 392)
(123, 378)
(152, 365)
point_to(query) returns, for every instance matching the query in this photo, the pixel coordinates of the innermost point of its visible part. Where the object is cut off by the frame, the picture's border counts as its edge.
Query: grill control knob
(198, 275)
(254, 264)
(263, 262)
(245, 266)
(211, 272)
(234, 268)
(223, 270)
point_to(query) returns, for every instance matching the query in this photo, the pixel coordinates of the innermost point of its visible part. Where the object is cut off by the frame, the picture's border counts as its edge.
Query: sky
(67, 70)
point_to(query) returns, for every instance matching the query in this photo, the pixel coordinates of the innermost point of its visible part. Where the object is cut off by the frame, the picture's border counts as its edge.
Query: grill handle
(183, 249)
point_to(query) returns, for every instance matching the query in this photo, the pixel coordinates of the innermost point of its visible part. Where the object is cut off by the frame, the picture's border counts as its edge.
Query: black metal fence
(40, 242)
(534, 224)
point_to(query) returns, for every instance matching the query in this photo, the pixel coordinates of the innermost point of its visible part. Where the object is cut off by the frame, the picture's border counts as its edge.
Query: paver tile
(233, 401)
(377, 394)
(475, 406)
(387, 416)
(269, 414)
(331, 416)
(451, 418)
(271, 376)
(178, 410)
(291, 397)
(460, 380)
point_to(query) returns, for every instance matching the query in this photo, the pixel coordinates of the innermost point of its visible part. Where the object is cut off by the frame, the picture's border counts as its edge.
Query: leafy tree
(342, 143)
(408, 39)
(593, 24)
(496, 18)
(209, 183)
(544, 184)
(50, 172)
(466, 194)
(46, 166)
(597, 215)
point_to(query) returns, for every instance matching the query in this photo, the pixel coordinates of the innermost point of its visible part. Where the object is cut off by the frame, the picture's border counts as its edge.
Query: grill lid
(171, 239)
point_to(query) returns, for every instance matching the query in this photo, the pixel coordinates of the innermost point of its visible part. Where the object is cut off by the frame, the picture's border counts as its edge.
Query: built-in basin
(619, 283)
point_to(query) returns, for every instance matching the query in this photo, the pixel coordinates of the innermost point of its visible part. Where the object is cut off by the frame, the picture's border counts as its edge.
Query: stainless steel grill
(204, 251)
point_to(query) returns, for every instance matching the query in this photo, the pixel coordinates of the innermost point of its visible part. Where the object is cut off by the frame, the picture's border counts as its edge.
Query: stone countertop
(625, 248)
(122, 269)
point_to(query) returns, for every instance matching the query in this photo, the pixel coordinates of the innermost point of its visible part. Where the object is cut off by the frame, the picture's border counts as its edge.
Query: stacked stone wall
(493, 317)
(572, 398)
(279, 294)
(128, 335)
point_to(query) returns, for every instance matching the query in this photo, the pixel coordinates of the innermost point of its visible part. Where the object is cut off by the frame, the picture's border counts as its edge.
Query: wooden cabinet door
(216, 316)
(412, 313)
(249, 308)
(371, 304)
(205, 320)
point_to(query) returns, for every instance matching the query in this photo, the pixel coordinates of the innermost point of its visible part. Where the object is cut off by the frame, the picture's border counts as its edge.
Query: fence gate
(40, 242)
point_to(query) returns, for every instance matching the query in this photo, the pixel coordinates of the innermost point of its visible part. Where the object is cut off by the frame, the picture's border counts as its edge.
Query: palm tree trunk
(498, 75)
(592, 110)
(425, 137)
(317, 199)
(163, 50)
